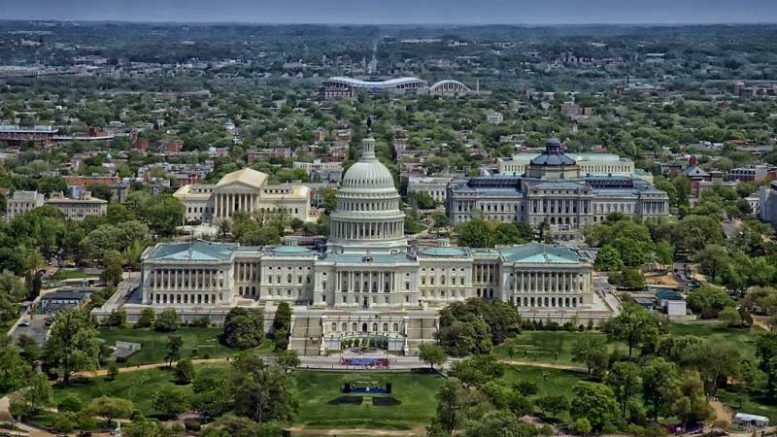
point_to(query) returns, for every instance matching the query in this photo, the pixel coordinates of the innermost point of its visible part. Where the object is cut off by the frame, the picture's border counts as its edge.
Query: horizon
(400, 12)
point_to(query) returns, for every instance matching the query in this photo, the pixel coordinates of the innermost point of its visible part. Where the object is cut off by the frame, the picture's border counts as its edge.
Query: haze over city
(399, 11)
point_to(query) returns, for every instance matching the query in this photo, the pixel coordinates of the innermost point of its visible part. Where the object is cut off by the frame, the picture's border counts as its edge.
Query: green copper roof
(442, 251)
(291, 250)
(193, 251)
(540, 253)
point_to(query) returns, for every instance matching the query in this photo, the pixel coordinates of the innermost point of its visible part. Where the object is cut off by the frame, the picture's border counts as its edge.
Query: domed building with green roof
(369, 282)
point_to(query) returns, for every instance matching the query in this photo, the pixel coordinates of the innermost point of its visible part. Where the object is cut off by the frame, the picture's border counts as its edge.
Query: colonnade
(368, 230)
(365, 282)
(226, 204)
(547, 282)
(186, 279)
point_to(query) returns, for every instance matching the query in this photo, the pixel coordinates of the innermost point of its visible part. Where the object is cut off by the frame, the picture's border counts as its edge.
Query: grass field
(415, 391)
(544, 346)
(751, 404)
(154, 344)
(138, 387)
(719, 331)
(549, 381)
(62, 275)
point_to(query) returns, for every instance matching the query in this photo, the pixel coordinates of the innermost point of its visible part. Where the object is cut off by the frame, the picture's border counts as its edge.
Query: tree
(168, 321)
(731, 316)
(625, 378)
(243, 328)
(72, 344)
(14, 371)
(592, 350)
(478, 370)
(163, 214)
(694, 232)
(595, 402)
(691, 406)
(475, 233)
(116, 318)
(714, 360)
(11, 293)
(110, 408)
(288, 358)
(281, 326)
(29, 400)
(241, 427)
(146, 319)
(499, 424)
(709, 301)
(70, 403)
(113, 373)
(423, 200)
(174, 344)
(263, 393)
(634, 326)
(447, 404)
(553, 404)
(171, 401)
(608, 259)
(664, 252)
(184, 371)
(28, 349)
(432, 354)
(659, 385)
(211, 396)
(112, 273)
(712, 260)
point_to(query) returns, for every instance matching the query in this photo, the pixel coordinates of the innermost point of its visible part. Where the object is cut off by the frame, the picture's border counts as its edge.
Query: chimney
(693, 161)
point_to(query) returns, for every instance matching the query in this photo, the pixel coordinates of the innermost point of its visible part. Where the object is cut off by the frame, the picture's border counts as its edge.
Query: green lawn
(556, 346)
(719, 331)
(415, 391)
(751, 404)
(543, 346)
(138, 387)
(154, 344)
(549, 381)
(62, 275)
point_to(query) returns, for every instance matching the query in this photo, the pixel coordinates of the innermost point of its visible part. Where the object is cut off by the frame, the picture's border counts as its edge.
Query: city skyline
(402, 12)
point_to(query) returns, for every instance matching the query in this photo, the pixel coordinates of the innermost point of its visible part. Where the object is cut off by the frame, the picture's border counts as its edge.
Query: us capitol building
(371, 282)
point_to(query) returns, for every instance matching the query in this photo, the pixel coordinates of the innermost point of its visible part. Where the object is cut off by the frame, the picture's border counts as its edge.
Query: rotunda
(368, 215)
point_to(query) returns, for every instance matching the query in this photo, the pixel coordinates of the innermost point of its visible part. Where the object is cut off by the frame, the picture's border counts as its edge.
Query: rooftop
(540, 253)
(198, 250)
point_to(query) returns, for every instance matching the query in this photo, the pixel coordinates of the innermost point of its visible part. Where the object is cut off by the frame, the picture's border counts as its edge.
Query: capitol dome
(368, 173)
(368, 215)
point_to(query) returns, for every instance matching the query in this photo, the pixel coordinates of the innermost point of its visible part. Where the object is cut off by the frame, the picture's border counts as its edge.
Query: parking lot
(36, 328)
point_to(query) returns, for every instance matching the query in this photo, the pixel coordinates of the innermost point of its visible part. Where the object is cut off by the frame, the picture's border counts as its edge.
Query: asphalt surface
(37, 328)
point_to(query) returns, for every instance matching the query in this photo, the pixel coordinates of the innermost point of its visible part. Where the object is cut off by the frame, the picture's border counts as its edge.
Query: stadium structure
(348, 87)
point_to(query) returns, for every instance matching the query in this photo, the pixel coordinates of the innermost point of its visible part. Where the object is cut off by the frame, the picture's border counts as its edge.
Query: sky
(399, 11)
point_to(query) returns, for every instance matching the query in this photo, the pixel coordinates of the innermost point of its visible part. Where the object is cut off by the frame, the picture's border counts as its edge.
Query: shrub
(62, 423)
(168, 321)
(200, 322)
(582, 426)
(184, 372)
(70, 403)
(116, 318)
(147, 318)
(113, 372)
(192, 425)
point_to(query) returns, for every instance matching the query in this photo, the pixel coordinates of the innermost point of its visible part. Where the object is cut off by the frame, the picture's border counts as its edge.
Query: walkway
(417, 431)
